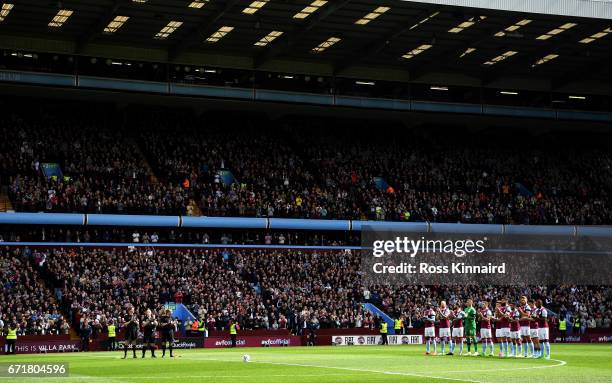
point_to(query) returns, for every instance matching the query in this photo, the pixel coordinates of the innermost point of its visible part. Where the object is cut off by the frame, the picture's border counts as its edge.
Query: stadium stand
(129, 164)
(100, 170)
(286, 170)
(263, 289)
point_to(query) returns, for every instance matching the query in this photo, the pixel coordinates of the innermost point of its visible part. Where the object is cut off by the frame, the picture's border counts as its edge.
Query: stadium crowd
(100, 169)
(262, 289)
(244, 166)
(309, 174)
(25, 300)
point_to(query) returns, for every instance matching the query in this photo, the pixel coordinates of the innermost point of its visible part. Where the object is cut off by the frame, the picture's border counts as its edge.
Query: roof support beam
(441, 61)
(374, 46)
(195, 35)
(288, 40)
(563, 43)
(98, 27)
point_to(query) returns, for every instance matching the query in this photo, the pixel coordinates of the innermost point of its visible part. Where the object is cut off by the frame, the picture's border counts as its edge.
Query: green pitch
(572, 364)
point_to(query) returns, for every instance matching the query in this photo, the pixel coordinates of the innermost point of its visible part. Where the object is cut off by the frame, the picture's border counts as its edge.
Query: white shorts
(457, 332)
(430, 332)
(525, 331)
(515, 335)
(543, 333)
(533, 332)
(444, 332)
(502, 332)
(485, 333)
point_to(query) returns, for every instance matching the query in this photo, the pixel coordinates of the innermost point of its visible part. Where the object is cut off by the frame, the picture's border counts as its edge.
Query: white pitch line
(346, 369)
(560, 363)
(371, 371)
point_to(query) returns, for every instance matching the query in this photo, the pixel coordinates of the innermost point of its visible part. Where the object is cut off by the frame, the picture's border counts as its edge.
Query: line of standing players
(521, 329)
(150, 325)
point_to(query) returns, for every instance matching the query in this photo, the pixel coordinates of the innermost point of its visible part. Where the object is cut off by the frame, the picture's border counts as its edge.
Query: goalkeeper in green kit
(470, 327)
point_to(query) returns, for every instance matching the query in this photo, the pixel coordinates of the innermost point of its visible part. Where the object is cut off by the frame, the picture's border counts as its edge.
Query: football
(246, 358)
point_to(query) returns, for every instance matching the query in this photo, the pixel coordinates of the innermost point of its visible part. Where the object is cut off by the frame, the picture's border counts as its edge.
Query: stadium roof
(382, 40)
(598, 9)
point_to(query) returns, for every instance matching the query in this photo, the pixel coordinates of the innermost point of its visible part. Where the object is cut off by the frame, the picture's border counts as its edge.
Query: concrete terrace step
(152, 177)
(5, 204)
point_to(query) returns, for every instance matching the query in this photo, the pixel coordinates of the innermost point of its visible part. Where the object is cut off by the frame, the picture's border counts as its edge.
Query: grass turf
(571, 363)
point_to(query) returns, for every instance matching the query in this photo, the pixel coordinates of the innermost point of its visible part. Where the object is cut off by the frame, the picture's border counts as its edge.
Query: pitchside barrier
(35, 344)
(291, 224)
(272, 340)
(375, 340)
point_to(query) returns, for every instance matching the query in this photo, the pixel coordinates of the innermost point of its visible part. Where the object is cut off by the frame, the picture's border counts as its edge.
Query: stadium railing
(292, 224)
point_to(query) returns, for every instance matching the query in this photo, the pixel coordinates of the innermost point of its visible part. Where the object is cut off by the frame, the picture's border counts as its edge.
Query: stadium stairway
(152, 177)
(381, 314)
(44, 281)
(193, 209)
(180, 311)
(5, 204)
(73, 334)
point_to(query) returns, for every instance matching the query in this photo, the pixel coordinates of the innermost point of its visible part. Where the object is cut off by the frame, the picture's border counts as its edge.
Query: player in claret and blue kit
(525, 321)
(444, 315)
(502, 331)
(457, 320)
(429, 317)
(515, 331)
(534, 330)
(542, 317)
(485, 315)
